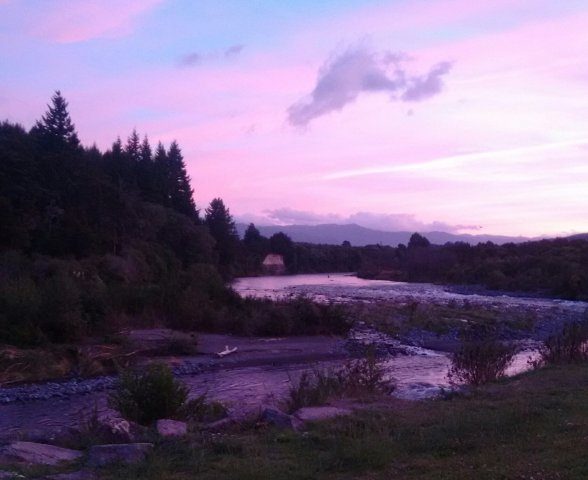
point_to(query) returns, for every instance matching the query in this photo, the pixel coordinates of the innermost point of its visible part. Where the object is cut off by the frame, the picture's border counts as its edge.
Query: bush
(366, 376)
(358, 377)
(481, 362)
(569, 346)
(146, 396)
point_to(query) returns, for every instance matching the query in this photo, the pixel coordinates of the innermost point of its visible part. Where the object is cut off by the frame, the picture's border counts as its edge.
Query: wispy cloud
(454, 161)
(70, 22)
(233, 50)
(196, 58)
(360, 70)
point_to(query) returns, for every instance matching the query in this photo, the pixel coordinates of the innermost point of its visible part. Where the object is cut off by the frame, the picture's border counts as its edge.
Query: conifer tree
(222, 228)
(133, 147)
(180, 191)
(145, 152)
(56, 128)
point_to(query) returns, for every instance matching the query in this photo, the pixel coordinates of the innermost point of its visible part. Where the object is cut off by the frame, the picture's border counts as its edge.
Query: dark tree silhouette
(56, 128)
(133, 147)
(417, 240)
(252, 235)
(222, 228)
(180, 192)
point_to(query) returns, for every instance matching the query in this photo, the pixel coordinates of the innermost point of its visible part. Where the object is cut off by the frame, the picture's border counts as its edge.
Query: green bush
(481, 362)
(569, 346)
(148, 395)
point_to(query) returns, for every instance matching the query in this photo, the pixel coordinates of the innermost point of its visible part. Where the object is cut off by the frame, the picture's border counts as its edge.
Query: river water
(417, 375)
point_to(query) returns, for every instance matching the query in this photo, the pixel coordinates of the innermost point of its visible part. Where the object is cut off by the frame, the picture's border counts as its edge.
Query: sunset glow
(467, 116)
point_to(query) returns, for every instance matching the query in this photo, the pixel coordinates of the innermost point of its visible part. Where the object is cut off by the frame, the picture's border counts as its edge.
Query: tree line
(91, 241)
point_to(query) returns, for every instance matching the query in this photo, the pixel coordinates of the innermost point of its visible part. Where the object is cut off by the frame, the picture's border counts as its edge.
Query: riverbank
(529, 426)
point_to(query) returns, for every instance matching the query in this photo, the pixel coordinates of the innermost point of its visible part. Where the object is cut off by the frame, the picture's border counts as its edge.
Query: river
(421, 373)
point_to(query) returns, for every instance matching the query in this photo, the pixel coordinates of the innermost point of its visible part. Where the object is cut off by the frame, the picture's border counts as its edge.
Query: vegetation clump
(144, 396)
(359, 377)
(568, 346)
(480, 362)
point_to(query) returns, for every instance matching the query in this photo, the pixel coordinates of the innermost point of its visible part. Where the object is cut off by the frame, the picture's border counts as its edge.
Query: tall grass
(357, 378)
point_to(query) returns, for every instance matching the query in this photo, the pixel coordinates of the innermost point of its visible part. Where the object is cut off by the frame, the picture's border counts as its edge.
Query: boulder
(37, 454)
(171, 428)
(317, 414)
(273, 416)
(220, 425)
(100, 455)
(112, 428)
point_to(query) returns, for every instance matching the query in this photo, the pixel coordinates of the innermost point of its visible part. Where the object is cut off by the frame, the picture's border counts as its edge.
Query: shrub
(145, 396)
(480, 362)
(569, 346)
(364, 376)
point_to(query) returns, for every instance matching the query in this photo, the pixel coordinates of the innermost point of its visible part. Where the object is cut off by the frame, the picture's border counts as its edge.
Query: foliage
(358, 377)
(547, 267)
(569, 346)
(222, 228)
(480, 362)
(529, 427)
(149, 394)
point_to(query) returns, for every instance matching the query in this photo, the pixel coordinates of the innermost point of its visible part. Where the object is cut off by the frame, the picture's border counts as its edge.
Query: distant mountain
(578, 236)
(357, 235)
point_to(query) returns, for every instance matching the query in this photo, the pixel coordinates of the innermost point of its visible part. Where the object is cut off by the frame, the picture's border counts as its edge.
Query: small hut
(273, 264)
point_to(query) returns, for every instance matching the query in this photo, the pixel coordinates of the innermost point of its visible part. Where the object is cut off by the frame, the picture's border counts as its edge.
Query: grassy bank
(532, 426)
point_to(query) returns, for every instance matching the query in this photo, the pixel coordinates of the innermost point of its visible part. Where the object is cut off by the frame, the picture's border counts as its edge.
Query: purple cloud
(391, 222)
(344, 77)
(234, 50)
(191, 59)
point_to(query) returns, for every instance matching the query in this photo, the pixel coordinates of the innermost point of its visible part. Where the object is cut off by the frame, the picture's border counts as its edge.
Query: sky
(456, 115)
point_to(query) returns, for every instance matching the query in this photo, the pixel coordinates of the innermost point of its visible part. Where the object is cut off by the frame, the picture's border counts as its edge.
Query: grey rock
(220, 425)
(317, 414)
(37, 453)
(279, 419)
(100, 455)
(171, 428)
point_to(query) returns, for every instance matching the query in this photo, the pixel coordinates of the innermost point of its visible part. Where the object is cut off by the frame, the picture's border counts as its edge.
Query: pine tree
(180, 191)
(252, 235)
(133, 147)
(116, 148)
(56, 128)
(145, 152)
(222, 228)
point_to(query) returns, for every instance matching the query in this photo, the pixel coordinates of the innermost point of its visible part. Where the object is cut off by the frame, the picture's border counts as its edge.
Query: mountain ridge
(335, 234)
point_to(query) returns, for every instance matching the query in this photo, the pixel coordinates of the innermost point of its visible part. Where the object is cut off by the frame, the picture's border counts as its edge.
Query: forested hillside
(91, 239)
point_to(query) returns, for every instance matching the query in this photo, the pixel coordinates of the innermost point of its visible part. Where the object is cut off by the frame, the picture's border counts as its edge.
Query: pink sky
(497, 137)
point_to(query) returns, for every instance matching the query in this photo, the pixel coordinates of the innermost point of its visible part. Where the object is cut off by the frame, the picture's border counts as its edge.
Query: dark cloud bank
(357, 70)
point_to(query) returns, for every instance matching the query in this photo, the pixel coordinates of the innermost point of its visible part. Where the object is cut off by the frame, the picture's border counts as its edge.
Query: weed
(145, 396)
